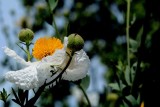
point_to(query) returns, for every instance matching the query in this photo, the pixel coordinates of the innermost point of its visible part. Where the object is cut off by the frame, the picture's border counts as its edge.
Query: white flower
(35, 74)
(78, 68)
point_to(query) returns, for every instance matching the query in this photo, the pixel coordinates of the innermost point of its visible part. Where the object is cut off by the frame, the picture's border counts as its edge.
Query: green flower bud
(75, 42)
(26, 35)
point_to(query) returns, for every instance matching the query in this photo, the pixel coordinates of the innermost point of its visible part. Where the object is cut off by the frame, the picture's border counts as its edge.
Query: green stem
(54, 23)
(89, 104)
(55, 26)
(27, 50)
(28, 58)
(127, 31)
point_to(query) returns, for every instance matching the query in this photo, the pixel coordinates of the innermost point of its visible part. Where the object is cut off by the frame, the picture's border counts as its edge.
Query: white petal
(30, 77)
(25, 78)
(65, 42)
(78, 67)
(59, 55)
(56, 59)
(43, 72)
(13, 55)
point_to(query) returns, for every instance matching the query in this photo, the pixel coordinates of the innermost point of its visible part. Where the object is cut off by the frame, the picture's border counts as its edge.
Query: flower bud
(75, 42)
(26, 35)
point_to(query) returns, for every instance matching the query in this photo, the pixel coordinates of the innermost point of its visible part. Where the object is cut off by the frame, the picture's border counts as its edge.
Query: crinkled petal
(25, 78)
(78, 67)
(56, 59)
(43, 72)
(13, 55)
(30, 77)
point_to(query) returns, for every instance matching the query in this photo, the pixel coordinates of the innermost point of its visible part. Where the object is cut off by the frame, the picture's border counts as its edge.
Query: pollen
(46, 46)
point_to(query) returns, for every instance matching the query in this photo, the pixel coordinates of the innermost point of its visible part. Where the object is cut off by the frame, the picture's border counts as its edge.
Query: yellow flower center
(46, 46)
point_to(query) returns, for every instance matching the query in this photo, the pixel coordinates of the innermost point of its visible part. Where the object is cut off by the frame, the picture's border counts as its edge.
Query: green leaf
(134, 45)
(133, 42)
(120, 66)
(132, 100)
(85, 82)
(4, 92)
(139, 99)
(53, 4)
(125, 104)
(4, 95)
(133, 68)
(127, 75)
(114, 86)
(139, 35)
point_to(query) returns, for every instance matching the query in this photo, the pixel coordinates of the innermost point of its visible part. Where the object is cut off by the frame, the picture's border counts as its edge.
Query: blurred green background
(102, 24)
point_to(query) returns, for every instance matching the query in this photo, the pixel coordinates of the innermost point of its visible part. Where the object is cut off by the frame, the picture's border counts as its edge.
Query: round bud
(26, 35)
(75, 42)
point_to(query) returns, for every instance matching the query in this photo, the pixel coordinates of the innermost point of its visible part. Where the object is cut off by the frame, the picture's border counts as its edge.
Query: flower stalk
(85, 94)
(127, 32)
(28, 52)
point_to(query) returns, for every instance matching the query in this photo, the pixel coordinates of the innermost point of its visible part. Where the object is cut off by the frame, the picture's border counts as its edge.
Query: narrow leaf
(134, 45)
(8, 96)
(21, 95)
(17, 99)
(14, 100)
(22, 48)
(3, 97)
(133, 71)
(85, 82)
(53, 4)
(125, 104)
(127, 75)
(132, 100)
(114, 86)
(4, 92)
